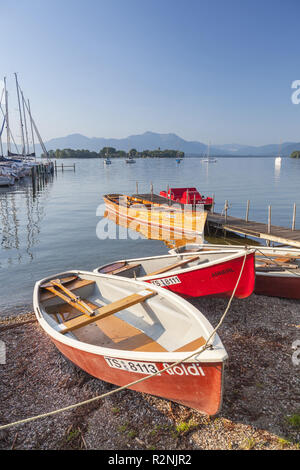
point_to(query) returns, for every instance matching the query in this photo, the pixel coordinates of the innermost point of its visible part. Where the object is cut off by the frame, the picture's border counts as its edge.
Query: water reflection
(277, 168)
(21, 212)
(168, 236)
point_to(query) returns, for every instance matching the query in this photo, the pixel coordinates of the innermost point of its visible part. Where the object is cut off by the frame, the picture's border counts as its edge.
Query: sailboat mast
(6, 118)
(25, 123)
(32, 134)
(20, 113)
(1, 130)
(37, 132)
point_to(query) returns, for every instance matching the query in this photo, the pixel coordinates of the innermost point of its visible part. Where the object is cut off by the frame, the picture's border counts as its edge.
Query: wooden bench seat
(106, 310)
(72, 284)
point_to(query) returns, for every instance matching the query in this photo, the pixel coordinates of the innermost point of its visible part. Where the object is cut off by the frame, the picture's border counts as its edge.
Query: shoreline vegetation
(295, 154)
(111, 152)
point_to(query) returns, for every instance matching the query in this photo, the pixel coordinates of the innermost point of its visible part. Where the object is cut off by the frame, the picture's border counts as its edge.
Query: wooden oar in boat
(70, 298)
(76, 298)
(93, 312)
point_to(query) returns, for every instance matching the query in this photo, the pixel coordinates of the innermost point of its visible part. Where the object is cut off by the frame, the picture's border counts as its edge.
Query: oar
(76, 298)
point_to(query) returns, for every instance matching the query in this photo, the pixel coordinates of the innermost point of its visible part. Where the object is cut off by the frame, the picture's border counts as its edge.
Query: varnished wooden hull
(182, 222)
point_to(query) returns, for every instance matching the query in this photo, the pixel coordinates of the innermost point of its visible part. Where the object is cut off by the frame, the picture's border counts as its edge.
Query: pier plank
(255, 229)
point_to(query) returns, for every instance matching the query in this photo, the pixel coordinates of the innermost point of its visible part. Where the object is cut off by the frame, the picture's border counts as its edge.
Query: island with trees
(295, 154)
(113, 153)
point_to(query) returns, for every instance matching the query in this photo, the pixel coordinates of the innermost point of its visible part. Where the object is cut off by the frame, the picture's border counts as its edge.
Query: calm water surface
(54, 228)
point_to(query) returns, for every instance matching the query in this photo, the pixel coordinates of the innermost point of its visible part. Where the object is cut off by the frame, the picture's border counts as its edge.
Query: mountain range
(152, 141)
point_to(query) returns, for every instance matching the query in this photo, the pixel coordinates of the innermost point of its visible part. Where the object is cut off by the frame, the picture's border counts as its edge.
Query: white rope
(104, 395)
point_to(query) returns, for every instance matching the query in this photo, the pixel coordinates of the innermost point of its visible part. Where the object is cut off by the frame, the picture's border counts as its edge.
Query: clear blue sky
(218, 70)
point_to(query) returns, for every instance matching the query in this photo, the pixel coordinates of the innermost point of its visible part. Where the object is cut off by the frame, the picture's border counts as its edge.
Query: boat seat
(119, 334)
(113, 332)
(173, 266)
(106, 310)
(72, 283)
(117, 268)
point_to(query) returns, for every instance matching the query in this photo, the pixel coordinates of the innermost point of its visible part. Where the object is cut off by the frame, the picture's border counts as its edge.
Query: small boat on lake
(130, 160)
(6, 180)
(277, 270)
(208, 158)
(107, 161)
(151, 210)
(187, 196)
(212, 273)
(121, 330)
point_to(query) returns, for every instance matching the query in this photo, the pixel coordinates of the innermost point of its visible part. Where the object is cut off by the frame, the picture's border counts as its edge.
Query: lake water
(56, 227)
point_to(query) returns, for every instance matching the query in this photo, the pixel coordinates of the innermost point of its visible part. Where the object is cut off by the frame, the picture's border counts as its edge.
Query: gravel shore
(261, 407)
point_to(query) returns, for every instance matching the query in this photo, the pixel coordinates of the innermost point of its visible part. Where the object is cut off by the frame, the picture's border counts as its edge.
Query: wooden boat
(277, 270)
(187, 196)
(206, 274)
(152, 211)
(121, 330)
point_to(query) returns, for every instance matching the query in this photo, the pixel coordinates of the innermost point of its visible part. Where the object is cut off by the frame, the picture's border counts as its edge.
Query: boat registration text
(149, 368)
(168, 281)
(132, 366)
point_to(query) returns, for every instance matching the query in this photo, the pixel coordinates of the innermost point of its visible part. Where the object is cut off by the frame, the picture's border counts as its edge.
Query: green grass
(294, 420)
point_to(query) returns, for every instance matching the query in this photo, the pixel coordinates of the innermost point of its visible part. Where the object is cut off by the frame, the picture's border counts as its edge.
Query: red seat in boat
(186, 196)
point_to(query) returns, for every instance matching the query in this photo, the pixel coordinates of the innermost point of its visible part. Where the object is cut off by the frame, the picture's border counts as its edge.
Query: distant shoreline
(171, 158)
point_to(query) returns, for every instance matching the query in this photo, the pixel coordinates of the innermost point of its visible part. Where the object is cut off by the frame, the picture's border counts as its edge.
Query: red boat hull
(278, 286)
(218, 280)
(196, 385)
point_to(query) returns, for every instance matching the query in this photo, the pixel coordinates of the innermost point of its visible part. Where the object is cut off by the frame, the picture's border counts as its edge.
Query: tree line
(295, 154)
(113, 153)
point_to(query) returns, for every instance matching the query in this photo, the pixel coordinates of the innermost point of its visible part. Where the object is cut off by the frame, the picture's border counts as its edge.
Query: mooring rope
(104, 395)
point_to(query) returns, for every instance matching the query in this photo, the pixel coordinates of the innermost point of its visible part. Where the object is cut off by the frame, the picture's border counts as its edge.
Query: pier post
(247, 210)
(137, 187)
(269, 219)
(213, 204)
(151, 190)
(62, 167)
(294, 217)
(74, 166)
(226, 209)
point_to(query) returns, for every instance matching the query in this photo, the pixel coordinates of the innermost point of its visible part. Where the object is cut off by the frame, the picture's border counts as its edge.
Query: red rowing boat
(120, 331)
(277, 269)
(203, 274)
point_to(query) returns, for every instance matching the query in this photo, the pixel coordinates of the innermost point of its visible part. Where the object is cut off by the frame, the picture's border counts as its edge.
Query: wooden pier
(226, 223)
(63, 167)
(265, 231)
